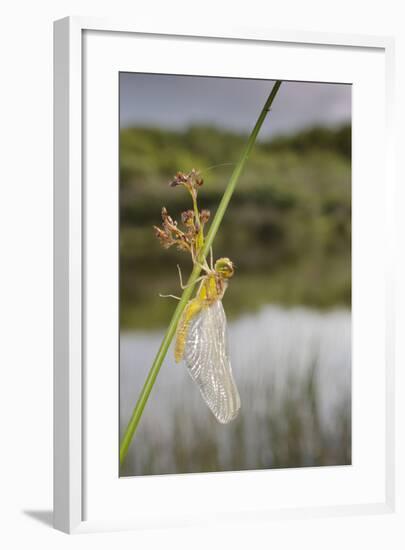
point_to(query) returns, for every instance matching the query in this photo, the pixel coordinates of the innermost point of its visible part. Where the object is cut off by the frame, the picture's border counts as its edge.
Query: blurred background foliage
(288, 227)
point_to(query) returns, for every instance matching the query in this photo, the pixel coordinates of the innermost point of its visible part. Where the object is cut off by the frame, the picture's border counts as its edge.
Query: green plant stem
(185, 297)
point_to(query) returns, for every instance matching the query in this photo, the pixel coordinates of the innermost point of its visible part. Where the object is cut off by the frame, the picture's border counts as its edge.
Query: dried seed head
(191, 180)
(179, 179)
(187, 218)
(170, 234)
(165, 216)
(194, 178)
(164, 237)
(159, 233)
(182, 243)
(205, 216)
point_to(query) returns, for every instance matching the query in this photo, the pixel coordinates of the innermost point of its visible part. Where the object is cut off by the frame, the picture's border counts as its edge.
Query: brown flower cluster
(191, 180)
(189, 239)
(171, 235)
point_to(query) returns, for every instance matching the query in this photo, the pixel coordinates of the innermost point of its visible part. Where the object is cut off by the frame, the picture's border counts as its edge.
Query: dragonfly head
(224, 267)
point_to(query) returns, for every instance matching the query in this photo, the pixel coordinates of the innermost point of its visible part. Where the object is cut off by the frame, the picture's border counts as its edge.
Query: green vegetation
(288, 228)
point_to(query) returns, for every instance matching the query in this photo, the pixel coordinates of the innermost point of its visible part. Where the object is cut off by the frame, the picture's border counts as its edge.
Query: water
(293, 371)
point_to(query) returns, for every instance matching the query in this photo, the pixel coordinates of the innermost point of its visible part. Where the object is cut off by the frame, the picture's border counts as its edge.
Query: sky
(177, 102)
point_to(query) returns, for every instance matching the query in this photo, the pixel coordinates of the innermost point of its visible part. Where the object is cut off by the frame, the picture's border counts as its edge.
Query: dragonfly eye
(224, 267)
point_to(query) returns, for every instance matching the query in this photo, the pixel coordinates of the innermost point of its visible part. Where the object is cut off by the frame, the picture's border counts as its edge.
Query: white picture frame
(75, 474)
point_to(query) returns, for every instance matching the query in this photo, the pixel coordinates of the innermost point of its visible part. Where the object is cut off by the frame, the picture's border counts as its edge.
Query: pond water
(293, 371)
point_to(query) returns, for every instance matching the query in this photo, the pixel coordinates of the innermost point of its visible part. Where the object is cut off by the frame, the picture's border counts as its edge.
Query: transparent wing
(207, 359)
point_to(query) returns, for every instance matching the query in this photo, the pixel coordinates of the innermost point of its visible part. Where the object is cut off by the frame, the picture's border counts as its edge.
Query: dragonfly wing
(207, 359)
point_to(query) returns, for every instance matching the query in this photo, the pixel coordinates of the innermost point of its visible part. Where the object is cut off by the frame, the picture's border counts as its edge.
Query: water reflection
(293, 371)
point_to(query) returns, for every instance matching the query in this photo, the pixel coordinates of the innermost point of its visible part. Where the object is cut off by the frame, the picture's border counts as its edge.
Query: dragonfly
(201, 342)
(201, 335)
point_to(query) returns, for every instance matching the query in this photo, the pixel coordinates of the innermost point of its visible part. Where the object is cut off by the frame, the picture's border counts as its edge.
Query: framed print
(222, 325)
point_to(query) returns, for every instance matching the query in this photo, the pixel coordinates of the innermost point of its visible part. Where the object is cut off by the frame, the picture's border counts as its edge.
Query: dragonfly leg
(201, 266)
(181, 279)
(169, 296)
